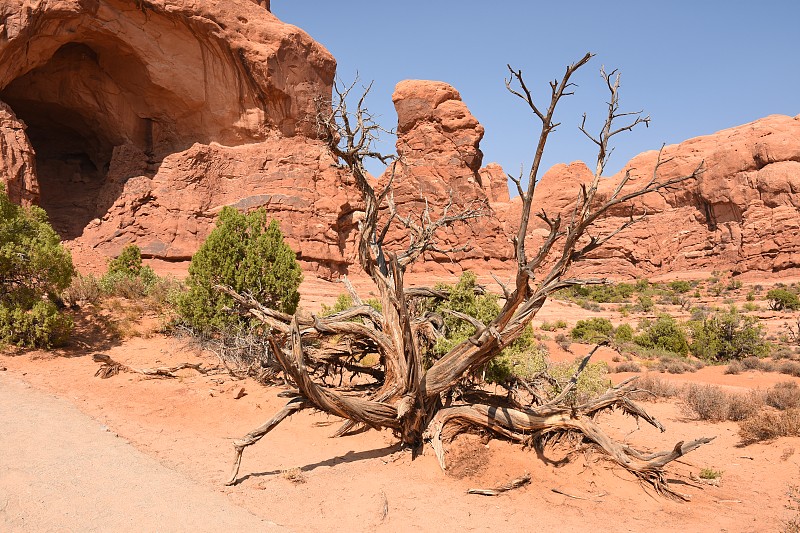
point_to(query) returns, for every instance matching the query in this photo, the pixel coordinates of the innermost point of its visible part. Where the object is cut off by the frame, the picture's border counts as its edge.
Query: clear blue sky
(694, 66)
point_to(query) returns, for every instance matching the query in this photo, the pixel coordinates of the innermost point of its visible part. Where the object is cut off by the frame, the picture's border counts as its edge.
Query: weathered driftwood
(411, 398)
(111, 368)
(511, 485)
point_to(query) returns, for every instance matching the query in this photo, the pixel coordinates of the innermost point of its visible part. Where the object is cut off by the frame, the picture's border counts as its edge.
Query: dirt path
(61, 470)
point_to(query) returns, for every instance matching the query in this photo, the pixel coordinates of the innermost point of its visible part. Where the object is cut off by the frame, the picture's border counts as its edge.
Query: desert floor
(81, 453)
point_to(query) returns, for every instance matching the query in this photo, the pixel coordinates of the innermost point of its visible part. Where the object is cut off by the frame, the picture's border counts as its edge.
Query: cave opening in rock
(71, 164)
(76, 114)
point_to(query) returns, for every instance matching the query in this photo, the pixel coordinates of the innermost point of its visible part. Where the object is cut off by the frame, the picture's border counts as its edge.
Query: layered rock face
(147, 117)
(742, 214)
(137, 121)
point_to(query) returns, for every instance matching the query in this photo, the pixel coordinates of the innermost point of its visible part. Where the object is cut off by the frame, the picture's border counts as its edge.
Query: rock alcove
(107, 90)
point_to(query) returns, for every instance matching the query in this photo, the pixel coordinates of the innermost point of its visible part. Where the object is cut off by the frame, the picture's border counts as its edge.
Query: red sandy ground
(366, 483)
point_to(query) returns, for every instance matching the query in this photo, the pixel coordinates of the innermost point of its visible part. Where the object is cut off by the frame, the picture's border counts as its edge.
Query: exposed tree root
(294, 405)
(511, 485)
(520, 424)
(112, 368)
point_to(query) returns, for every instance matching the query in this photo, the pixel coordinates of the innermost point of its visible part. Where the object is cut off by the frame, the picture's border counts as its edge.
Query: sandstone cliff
(136, 121)
(742, 214)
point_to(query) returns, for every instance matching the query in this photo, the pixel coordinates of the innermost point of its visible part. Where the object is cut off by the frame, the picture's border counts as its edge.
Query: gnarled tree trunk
(413, 400)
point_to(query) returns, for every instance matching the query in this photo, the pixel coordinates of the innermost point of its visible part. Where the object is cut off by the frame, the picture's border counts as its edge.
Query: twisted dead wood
(409, 398)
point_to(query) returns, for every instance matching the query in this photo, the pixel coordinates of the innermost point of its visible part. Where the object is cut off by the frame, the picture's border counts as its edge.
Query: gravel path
(61, 470)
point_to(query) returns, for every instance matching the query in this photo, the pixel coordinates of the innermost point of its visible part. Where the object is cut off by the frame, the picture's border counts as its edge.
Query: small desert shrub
(34, 269)
(628, 366)
(644, 304)
(673, 365)
(84, 288)
(563, 341)
(126, 277)
(780, 299)
(295, 475)
(517, 359)
(43, 325)
(462, 298)
(733, 285)
(592, 330)
(590, 306)
(680, 286)
(592, 382)
(522, 364)
(728, 335)
(709, 473)
(712, 403)
(782, 352)
(750, 307)
(655, 387)
(735, 367)
(752, 363)
(552, 326)
(791, 368)
(770, 425)
(623, 333)
(664, 333)
(248, 254)
(343, 302)
(783, 396)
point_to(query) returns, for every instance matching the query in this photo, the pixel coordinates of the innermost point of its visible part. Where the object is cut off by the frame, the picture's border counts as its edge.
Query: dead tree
(415, 401)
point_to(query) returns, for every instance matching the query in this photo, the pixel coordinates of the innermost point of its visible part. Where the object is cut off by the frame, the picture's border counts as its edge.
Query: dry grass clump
(675, 364)
(628, 366)
(791, 368)
(655, 387)
(83, 289)
(769, 425)
(295, 475)
(711, 403)
(783, 396)
(735, 368)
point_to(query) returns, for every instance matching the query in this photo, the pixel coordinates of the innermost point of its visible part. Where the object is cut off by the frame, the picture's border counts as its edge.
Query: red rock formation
(137, 121)
(147, 117)
(438, 141)
(741, 215)
(17, 159)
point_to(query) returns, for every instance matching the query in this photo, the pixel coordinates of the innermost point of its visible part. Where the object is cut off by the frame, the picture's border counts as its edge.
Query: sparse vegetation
(680, 286)
(728, 335)
(592, 330)
(628, 366)
(248, 254)
(664, 333)
(770, 425)
(711, 403)
(656, 387)
(780, 299)
(126, 277)
(34, 269)
(783, 396)
(710, 473)
(553, 326)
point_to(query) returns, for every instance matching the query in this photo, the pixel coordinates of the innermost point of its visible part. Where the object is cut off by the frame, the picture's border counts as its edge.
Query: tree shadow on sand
(349, 457)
